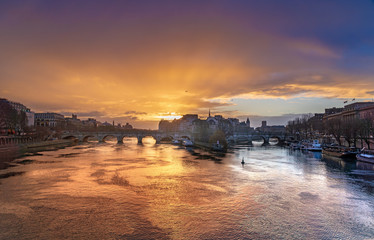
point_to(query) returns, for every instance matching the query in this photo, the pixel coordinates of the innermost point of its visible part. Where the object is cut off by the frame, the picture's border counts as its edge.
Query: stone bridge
(265, 136)
(159, 135)
(121, 134)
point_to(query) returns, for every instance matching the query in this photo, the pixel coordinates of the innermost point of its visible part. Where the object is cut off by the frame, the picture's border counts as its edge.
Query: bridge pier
(100, 139)
(82, 139)
(158, 139)
(139, 134)
(120, 140)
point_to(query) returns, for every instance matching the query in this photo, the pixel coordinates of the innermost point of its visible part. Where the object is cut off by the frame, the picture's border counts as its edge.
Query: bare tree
(351, 130)
(335, 128)
(367, 130)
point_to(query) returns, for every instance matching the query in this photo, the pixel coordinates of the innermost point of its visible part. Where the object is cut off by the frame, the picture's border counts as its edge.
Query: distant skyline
(138, 61)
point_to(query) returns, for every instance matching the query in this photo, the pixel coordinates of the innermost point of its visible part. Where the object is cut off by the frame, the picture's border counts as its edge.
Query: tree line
(11, 120)
(350, 130)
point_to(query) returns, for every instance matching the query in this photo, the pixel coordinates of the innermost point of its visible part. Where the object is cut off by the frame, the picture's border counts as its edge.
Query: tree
(355, 130)
(304, 126)
(351, 130)
(201, 131)
(347, 132)
(11, 119)
(366, 130)
(335, 128)
(220, 136)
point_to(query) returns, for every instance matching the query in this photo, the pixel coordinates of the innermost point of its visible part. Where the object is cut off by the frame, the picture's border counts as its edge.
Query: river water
(131, 191)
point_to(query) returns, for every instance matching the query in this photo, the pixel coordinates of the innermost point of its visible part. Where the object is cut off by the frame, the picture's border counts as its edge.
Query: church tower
(248, 123)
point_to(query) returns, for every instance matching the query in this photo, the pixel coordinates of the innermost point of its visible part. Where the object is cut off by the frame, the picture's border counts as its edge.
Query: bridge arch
(128, 138)
(104, 137)
(259, 137)
(71, 137)
(277, 138)
(241, 139)
(86, 138)
(166, 138)
(280, 139)
(157, 139)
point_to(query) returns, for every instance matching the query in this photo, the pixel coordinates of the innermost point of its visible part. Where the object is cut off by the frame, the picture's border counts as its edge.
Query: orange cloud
(153, 65)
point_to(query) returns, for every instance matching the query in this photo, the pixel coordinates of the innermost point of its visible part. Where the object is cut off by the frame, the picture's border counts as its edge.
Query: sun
(169, 116)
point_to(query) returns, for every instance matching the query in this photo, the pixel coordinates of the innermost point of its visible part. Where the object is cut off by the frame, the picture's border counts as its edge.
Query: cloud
(135, 113)
(110, 59)
(256, 120)
(95, 114)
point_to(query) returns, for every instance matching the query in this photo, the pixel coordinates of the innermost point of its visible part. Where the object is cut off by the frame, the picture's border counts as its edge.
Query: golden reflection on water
(183, 194)
(149, 141)
(163, 177)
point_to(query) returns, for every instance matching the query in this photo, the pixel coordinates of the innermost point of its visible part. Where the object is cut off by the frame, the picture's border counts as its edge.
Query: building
(127, 126)
(316, 122)
(273, 129)
(30, 119)
(106, 124)
(49, 120)
(192, 124)
(233, 121)
(184, 124)
(248, 123)
(14, 117)
(20, 108)
(73, 121)
(334, 110)
(166, 126)
(358, 110)
(367, 113)
(15, 105)
(90, 122)
(5, 116)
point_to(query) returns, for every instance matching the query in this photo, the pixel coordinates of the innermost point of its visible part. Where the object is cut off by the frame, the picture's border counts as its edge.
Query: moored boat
(340, 151)
(315, 146)
(187, 143)
(295, 146)
(366, 156)
(218, 147)
(176, 142)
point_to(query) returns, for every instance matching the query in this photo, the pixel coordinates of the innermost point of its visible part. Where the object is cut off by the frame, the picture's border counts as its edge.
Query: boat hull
(364, 159)
(345, 155)
(314, 149)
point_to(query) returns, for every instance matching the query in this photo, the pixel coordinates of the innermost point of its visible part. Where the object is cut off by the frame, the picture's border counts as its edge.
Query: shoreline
(45, 144)
(10, 152)
(206, 146)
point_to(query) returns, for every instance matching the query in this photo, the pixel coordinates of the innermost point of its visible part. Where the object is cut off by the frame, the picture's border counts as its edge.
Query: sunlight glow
(169, 116)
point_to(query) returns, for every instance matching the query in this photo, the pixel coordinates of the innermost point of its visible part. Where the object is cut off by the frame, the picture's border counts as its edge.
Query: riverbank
(203, 145)
(46, 144)
(207, 146)
(12, 151)
(136, 191)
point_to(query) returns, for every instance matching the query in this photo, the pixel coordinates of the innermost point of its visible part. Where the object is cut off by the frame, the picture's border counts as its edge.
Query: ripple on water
(146, 192)
(11, 174)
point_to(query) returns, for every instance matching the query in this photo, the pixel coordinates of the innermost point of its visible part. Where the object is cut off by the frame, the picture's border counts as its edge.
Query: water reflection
(149, 141)
(160, 191)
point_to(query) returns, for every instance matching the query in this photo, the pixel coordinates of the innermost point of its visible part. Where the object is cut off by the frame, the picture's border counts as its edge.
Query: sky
(140, 61)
